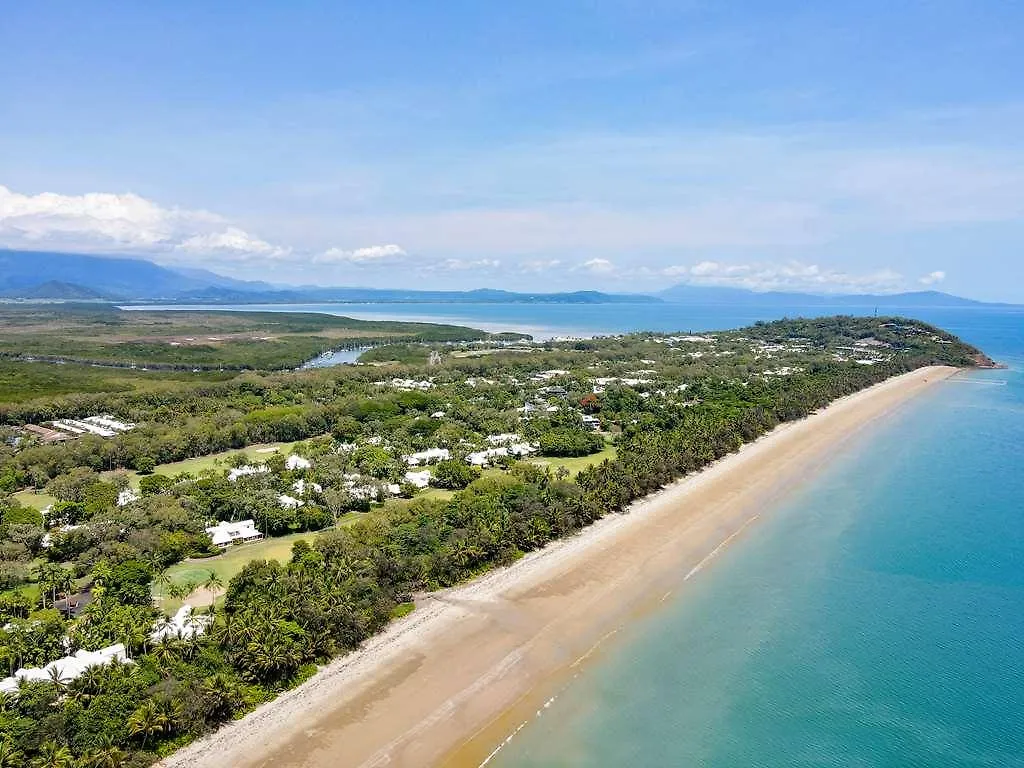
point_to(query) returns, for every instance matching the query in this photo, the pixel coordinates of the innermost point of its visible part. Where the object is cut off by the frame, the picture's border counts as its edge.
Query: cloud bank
(130, 224)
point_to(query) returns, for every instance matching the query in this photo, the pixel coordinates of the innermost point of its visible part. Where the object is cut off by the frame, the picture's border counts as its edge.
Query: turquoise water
(874, 618)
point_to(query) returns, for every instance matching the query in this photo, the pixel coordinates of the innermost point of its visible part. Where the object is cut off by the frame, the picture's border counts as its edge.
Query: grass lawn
(215, 461)
(33, 499)
(234, 559)
(577, 463)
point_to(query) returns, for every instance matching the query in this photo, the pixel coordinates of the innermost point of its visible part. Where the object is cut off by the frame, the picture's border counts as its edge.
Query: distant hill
(141, 280)
(128, 278)
(700, 294)
(55, 290)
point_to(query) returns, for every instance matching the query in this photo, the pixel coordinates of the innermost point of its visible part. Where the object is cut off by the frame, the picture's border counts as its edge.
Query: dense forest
(499, 432)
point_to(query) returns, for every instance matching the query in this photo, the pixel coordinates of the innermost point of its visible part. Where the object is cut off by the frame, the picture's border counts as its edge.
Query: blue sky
(614, 145)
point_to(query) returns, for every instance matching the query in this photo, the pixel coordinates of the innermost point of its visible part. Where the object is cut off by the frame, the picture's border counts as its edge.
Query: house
(295, 462)
(503, 439)
(126, 497)
(300, 486)
(180, 626)
(68, 668)
(419, 479)
(521, 449)
(486, 456)
(247, 470)
(109, 422)
(428, 456)
(591, 422)
(224, 535)
(289, 502)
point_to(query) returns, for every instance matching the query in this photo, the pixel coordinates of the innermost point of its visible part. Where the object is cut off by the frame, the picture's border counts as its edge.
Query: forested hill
(32, 275)
(359, 486)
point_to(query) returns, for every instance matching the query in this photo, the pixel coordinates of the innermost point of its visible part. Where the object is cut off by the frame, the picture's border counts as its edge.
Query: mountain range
(37, 276)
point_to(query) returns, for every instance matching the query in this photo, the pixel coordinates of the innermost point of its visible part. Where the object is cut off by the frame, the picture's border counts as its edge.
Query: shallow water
(874, 618)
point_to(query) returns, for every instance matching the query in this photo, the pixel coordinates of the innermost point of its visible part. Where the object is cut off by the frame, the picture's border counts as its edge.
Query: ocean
(873, 617)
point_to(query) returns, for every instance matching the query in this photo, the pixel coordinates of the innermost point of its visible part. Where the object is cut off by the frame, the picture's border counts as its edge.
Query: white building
(180, 626)
(67, 668)
(109, 422)
(247, 470)
(289, 502)
(300, 486)
(295, 462)
(226, 534)
(126, 497)
(429, 456)
(419, 479)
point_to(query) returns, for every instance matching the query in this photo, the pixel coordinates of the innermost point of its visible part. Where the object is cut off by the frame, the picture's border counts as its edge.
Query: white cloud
(932, 278)
(232, 242)
(788, 276)
(100, 221)
(597, 266)
(372, 254)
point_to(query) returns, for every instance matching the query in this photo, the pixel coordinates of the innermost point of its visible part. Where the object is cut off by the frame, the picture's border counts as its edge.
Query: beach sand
(448, 683)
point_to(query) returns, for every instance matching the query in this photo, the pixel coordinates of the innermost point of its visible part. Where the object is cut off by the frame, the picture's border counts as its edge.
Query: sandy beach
(448, 683)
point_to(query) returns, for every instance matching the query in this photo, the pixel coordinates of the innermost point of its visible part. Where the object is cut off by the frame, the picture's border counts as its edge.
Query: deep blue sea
(875, 617)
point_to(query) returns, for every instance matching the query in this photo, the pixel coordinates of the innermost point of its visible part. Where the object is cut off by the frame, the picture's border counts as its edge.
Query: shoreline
(447, 684)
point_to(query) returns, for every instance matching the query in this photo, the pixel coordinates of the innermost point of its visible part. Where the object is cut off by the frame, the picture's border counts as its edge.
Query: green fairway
(227, 565)
(214, 461)
(577, 463)
(32, 499)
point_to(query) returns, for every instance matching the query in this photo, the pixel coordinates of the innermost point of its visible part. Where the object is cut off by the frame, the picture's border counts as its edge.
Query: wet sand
(448, 683)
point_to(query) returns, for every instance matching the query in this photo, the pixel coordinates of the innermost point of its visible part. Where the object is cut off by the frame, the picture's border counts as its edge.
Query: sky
(614, 145)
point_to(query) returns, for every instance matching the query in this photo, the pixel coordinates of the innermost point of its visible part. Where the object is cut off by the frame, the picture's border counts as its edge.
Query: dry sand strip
(446, 684)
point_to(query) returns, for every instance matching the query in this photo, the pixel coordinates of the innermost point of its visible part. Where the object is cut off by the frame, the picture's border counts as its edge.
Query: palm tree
(222, 695)
(147, 721)
(88, 685)
(165, 650)
(163, 581)
(57, 678)
(54, 755)
(9, 756)
(107, 755)
(212, 585)
(172, 711)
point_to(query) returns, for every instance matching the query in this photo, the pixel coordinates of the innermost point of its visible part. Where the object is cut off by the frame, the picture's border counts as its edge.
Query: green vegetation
(349, 536)
(187, 340)
(573, 466)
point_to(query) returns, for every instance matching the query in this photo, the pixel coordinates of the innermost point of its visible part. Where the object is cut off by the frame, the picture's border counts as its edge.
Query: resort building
(419, 479)
(429, 456)
(224, 535)
(126, 497)
(181, 626)
(300, 486)
(247, 470)
(67, 669)
(295, 462)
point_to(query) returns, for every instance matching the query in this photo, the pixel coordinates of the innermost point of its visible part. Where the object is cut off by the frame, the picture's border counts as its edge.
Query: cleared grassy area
(214, 461)
(577, 464)
(32, 499)
(227, 565)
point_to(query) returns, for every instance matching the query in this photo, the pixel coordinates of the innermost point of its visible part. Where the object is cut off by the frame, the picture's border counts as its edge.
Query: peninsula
(387, 562)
